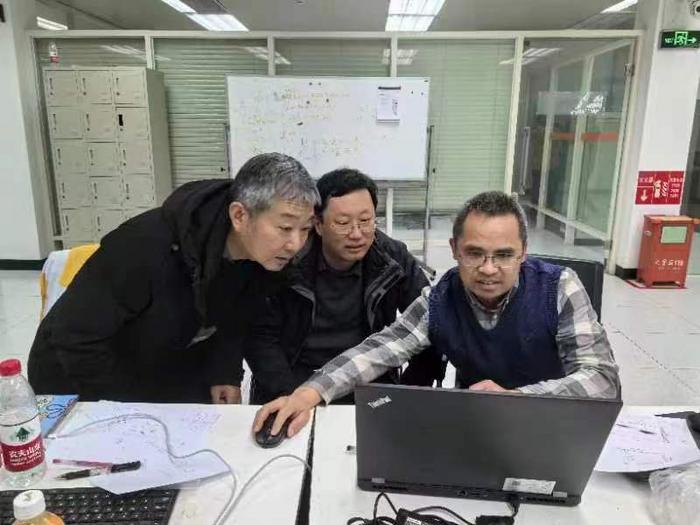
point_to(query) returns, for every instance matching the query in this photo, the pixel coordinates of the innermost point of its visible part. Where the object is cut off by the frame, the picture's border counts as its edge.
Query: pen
(82, 463)
(118, 467)
(643, 431)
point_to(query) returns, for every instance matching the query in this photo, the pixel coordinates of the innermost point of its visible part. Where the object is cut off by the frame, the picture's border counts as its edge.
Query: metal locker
(106, 191)
(133, 123)
(78, 223)
(129, 87)
(139, 191)
(100, 123)
(102, 159)
(65, 123)
(73, 190)
(107, 220)
(69, 156)
(135, 157)
(61, 88)
(96, 86)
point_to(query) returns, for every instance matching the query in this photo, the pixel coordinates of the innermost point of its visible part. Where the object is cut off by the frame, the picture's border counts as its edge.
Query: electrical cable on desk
(230, 504)
(419, 516)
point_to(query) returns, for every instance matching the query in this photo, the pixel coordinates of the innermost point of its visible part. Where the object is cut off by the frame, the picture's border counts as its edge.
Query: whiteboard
(328, 123)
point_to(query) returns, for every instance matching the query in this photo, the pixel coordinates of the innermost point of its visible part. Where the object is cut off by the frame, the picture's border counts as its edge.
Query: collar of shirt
(499, 307)
(323, 266)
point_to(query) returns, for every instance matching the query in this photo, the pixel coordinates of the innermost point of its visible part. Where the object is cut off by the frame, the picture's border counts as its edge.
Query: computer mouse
(266, 440)
(694, 421)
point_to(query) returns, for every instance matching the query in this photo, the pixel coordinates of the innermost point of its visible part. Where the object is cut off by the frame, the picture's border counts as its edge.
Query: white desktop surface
(335, 497)
(272, 498)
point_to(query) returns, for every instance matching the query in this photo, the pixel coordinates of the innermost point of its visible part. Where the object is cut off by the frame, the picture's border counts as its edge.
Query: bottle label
(22, 446)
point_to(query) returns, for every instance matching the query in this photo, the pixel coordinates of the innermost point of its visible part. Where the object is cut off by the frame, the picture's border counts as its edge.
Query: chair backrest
(589, 272)
(58, 272)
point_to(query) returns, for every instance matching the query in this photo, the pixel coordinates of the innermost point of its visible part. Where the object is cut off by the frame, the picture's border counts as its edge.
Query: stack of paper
(125, 440)
(640, 443)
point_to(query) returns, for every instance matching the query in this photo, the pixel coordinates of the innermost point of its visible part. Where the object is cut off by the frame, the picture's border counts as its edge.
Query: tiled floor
(655, 335)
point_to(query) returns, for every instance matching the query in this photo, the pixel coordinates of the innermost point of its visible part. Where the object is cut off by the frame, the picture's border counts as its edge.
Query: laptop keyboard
(96, 506)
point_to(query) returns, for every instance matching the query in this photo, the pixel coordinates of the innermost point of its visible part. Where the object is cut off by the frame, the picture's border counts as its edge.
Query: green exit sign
(680, 39)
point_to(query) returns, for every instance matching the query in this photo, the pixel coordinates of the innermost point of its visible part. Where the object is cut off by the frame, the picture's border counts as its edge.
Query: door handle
(87, 120)
(94, 190)
(82, 79)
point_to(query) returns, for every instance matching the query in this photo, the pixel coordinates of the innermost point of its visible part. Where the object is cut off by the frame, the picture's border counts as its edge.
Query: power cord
(231, 503)
(420, 516)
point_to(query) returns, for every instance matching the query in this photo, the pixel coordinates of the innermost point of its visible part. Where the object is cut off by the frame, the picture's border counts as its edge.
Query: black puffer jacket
(156, 314)
(392, 280)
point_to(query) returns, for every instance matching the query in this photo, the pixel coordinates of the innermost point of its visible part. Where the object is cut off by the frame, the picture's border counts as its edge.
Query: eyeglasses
(345, 228)
(499, 260)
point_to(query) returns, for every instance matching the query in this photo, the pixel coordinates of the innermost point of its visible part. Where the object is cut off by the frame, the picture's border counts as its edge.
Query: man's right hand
(296, 406)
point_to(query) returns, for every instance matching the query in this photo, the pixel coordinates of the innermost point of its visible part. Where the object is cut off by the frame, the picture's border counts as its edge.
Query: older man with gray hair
(505, 321)
(158, 312)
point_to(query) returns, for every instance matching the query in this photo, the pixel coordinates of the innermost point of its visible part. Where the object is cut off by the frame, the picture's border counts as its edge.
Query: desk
(335, 497)
(272, 498)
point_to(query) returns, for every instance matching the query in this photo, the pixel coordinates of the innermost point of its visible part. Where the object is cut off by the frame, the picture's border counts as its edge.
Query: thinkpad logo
(379, 402)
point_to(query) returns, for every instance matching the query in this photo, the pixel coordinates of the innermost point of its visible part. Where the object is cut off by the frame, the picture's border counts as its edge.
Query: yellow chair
(59, 270)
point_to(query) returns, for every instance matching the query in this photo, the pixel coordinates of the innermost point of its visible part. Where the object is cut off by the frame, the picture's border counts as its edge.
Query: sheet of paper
(639, 443)
(127, 439)
(388, 104)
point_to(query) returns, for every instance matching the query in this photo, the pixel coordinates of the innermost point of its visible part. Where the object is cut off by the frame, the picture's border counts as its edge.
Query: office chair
(589, 272)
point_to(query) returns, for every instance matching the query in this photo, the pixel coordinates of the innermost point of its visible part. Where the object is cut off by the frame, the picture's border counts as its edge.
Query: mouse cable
(169, 449)
(230, 504)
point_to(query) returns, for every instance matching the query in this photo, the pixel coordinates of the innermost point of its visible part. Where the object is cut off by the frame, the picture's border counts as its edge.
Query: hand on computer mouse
(265, 438)
(296, 408)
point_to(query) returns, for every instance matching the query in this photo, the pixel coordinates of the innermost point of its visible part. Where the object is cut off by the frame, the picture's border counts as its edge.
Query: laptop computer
(487, 445)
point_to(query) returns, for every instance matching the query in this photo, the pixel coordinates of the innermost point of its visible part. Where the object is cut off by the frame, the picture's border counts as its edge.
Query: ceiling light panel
(415, 7)
(45, 23)
(179, 6)
(218, 22)
(620, 6)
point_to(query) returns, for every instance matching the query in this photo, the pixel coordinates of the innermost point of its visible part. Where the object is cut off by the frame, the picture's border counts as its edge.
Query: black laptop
(487, 445)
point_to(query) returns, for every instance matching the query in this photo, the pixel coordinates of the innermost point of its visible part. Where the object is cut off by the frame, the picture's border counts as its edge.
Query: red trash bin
(665, 249)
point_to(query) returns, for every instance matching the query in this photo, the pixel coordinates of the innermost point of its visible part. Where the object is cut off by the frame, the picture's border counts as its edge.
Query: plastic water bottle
(20, 428)
(30, 509)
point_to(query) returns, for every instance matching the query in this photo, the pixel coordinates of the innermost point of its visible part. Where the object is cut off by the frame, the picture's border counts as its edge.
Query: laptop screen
(479, 444)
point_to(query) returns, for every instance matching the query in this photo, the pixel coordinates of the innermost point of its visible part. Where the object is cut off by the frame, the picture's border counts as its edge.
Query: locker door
(100, 123)
(135, 157)
(139, 191)
(95, 86)
(102, 158)
(78, 224)
(133, 123)
(65, 123)
(107, 220)
(73, 190)
(106, 191)
(61, 88)
(69, 156)
(129, 87)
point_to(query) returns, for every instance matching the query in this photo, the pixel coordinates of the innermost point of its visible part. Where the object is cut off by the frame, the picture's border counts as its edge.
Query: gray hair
(491, 203)
(271, 176)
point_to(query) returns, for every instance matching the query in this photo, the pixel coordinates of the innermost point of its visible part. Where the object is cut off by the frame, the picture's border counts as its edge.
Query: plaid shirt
(584, 350)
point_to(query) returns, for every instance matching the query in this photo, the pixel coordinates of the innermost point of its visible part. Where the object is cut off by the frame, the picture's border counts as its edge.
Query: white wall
(22, 224)
(661, 121)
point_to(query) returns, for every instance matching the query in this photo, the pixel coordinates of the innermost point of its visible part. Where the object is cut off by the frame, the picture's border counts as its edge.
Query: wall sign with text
(659, 187)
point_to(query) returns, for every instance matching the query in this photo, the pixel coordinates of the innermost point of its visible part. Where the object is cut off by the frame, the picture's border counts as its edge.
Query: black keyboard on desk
(96, 506)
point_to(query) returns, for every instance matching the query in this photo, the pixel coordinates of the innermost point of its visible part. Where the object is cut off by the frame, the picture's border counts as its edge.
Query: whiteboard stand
(389, 211)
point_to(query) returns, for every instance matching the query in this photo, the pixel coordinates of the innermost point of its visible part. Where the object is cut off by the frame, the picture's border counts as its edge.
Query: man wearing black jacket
(348, 282)
(158, 312)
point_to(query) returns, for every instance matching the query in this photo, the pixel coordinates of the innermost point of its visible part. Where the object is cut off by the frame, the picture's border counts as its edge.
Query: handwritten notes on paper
(640, 443)
(131, 439)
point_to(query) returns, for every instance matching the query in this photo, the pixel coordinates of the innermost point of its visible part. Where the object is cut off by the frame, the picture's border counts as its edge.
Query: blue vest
(520, 350)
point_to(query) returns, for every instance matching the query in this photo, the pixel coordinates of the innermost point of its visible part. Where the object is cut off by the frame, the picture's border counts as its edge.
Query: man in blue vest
(504, 321)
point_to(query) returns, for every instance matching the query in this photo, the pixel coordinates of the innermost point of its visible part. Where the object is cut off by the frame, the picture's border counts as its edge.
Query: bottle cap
(29, 504)
(10, 367)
